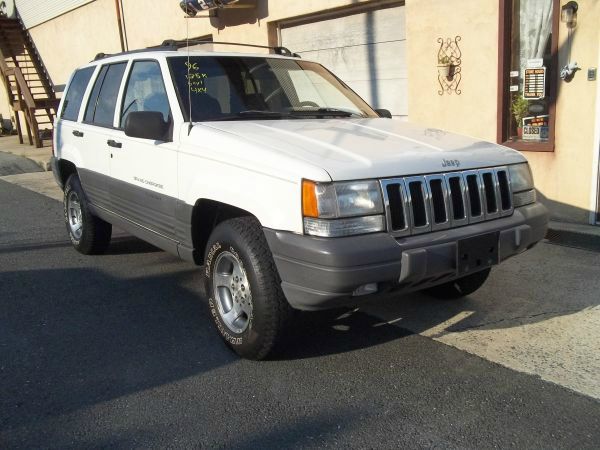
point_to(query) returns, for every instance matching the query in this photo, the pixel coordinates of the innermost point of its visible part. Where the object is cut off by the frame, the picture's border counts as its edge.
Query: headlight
(521, 183)
(520, 177)
(342, 209)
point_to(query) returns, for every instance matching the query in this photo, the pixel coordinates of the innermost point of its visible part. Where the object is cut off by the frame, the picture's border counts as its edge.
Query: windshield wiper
(252, 114)
(322, 112)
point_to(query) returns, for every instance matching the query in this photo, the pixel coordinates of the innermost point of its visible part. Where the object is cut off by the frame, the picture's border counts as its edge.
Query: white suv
(289, 189)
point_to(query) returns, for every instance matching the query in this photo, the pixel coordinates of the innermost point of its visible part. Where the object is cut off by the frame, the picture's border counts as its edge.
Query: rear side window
(103, 100)
(74, 96)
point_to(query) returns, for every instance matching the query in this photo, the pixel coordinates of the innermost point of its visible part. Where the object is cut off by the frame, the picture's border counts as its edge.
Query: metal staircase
(28, 85)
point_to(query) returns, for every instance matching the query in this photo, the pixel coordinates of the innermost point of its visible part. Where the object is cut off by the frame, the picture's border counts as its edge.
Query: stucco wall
(473, 112)
(565, 177)
(76, 37)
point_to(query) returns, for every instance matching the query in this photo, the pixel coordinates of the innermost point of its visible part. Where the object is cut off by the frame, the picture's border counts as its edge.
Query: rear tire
(243, 287)
(460, 287)
(89, 234)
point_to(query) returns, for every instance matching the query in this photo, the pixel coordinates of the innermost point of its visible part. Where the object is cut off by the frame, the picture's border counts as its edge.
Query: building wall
(565, 177)
(473, 112)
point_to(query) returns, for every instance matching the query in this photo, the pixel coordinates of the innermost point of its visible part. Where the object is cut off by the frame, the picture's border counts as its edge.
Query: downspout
(120, 23)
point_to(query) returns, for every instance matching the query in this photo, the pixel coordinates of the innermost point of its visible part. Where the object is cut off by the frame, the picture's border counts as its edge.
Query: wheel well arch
(65, 169)
(206, 215)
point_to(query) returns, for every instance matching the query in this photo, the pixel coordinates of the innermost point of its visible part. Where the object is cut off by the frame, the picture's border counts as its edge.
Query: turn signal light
(310, 207)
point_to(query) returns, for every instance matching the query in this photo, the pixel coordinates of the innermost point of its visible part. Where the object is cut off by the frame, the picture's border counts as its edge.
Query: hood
(369, 148)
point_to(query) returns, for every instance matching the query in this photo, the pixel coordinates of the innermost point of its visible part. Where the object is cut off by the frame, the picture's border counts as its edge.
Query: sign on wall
(534, 85)
(535, 128)
(39, 11)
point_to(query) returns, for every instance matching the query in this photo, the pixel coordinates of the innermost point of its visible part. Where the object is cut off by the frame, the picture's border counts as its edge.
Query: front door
(144, 172)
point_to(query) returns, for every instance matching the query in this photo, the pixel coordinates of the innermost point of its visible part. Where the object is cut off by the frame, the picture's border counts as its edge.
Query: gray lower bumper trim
(319, 273)
(56, 171)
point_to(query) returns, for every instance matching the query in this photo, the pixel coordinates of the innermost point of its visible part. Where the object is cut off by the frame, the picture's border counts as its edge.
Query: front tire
(245, 300)
(461, 287)
(89, 234)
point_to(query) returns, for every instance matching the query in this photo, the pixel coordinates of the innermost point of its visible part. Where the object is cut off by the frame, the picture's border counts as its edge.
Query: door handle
(113, 143)
(78, 133)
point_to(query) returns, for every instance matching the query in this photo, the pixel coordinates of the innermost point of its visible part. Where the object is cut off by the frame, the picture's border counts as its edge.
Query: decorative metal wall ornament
(449, 61)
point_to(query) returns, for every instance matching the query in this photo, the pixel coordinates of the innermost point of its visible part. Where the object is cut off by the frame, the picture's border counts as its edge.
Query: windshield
(241, 88)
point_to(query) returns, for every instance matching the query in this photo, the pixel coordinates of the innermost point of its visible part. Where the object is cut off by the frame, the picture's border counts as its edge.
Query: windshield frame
(351, 95)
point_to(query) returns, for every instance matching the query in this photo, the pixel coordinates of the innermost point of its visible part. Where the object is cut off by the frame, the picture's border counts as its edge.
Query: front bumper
(320, 273)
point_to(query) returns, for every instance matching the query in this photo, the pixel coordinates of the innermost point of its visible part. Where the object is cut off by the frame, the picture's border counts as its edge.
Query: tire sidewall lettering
(223, 330)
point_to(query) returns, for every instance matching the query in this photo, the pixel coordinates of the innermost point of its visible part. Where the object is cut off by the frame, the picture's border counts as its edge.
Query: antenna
(187, 38)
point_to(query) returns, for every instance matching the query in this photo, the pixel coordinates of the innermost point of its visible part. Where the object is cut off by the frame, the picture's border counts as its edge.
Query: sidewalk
(574, 235)
(41, 156)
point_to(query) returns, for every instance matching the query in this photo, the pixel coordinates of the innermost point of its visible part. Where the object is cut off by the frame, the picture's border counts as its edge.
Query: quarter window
(145, 91)
(74, 96)
(103, 100)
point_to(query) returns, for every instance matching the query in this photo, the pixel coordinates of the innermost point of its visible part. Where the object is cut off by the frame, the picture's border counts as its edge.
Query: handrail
(22, 84)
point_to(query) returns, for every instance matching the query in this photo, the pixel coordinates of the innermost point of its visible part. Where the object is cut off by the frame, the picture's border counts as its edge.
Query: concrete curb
(586, 237)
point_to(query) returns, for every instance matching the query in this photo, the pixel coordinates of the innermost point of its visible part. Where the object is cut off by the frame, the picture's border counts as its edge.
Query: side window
(103, 100)
(74, 96)
(145, 91)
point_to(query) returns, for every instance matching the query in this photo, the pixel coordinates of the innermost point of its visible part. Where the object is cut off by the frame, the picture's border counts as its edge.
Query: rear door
(143, 171)
(97, 131)
(67, 134)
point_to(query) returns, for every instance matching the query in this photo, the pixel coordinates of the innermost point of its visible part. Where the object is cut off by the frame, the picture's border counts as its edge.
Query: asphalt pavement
(118, 351)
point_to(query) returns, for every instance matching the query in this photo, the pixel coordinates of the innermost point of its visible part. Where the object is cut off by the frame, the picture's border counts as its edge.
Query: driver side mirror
(148, 125)
(384, 113)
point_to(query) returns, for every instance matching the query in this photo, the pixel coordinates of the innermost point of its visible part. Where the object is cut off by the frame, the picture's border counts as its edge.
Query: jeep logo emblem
(450, 163)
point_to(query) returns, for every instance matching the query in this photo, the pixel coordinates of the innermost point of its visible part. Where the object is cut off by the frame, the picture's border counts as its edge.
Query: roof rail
(143, 50)
(173, 45)
(284, 51)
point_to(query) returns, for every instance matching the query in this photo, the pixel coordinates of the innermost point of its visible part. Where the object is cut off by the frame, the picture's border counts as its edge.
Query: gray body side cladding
(56, 171)
(320, 273)
(161, 220)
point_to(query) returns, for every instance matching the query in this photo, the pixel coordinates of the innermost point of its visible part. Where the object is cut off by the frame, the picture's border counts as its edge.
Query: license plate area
(477, 252)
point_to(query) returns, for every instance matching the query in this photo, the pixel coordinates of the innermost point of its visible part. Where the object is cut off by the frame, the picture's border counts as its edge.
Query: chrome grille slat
(423, 212)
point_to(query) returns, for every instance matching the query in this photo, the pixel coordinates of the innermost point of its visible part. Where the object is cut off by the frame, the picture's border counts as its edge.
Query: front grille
(421, 204)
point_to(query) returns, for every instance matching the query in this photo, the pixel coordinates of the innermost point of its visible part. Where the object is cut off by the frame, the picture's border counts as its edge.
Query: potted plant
(519, 109)
(444, 66)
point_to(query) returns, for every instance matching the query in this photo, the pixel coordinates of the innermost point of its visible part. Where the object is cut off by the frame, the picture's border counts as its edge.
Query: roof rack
(284, 51)
(173, 45)
(143, 50)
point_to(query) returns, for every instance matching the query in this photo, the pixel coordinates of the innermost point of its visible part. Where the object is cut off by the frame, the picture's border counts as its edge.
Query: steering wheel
(272, 94)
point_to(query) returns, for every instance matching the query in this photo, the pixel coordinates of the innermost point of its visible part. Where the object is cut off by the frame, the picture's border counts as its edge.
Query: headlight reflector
(520, 177)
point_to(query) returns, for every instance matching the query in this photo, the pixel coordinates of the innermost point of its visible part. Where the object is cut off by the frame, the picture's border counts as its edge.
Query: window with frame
(145, 91)
(528, 66)
(74, 95)
(103, 99)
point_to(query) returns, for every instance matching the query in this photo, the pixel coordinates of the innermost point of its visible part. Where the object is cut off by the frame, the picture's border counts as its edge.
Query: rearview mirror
(384, 113)
(148, 125)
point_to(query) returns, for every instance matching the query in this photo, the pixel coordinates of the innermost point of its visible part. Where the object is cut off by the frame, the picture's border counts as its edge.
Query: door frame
(595, 190)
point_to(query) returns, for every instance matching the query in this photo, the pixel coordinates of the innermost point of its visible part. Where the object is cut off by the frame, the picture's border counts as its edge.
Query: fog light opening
(365, 289)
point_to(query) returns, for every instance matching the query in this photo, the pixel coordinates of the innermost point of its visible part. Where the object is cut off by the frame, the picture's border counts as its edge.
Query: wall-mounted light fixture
(568, 14)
